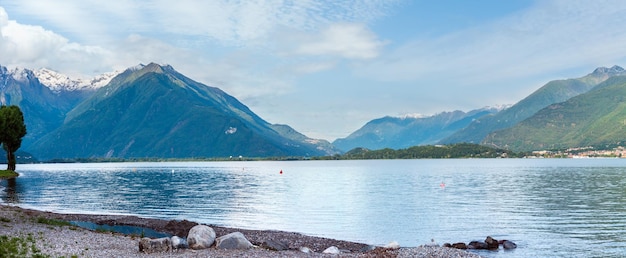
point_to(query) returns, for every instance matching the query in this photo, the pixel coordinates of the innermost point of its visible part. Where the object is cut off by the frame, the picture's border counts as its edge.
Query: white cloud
(351, 41)
(35, 47)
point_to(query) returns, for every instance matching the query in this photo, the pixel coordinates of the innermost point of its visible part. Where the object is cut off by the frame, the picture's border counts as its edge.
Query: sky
(327, 67)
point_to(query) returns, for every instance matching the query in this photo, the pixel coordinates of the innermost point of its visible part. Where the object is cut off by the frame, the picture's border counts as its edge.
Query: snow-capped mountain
(60, 82)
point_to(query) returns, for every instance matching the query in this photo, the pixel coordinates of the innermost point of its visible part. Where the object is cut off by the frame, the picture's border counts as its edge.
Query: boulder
(392, 245)
(492, 244)
(179, 243)
(367, 248)
(147, 245)
(459, 245)
(332, 250)
(305, 249)
(508, 244)
(477, 245)
(235, 240)
(200, 237)
(275, 245)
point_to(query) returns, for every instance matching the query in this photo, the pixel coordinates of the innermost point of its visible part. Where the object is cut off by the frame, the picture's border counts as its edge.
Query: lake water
(549, 207)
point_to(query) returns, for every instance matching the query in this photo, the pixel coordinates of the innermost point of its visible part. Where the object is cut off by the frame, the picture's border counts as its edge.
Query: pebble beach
(52, 240)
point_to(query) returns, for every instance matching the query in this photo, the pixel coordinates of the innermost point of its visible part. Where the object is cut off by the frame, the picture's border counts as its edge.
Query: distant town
(582, 152)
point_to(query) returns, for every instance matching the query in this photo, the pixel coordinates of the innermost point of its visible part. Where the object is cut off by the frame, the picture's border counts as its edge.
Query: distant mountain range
(530, 124)
(152, 110)
(146, 111)
(404, 132)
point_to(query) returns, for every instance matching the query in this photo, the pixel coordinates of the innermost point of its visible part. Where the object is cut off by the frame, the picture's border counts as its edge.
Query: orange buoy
(281, 171)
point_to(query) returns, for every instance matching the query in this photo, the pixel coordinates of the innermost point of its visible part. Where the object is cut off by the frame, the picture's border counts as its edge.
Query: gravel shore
(68, 241)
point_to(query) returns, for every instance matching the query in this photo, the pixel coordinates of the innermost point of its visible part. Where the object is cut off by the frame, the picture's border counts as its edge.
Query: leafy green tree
(12, 129)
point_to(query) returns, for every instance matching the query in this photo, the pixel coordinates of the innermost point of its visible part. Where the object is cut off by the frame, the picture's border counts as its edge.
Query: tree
(12, 129)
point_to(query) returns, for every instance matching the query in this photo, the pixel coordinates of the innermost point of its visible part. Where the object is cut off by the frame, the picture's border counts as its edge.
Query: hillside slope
(553, 92)
(597, 117)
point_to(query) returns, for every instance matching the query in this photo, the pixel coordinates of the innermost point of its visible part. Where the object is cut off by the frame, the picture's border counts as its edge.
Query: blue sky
(327, 67)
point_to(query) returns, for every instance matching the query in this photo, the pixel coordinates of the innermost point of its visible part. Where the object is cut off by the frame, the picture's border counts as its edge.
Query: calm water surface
(549, 207)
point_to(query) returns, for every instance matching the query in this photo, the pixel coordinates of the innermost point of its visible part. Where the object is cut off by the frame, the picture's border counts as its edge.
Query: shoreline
(63, 240)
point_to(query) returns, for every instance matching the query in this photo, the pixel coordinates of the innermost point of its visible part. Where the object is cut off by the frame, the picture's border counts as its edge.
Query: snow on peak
(412, 115)
(60, 82)
(498, 107)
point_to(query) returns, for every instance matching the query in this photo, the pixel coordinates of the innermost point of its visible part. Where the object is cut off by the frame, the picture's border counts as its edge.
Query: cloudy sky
(327, 67)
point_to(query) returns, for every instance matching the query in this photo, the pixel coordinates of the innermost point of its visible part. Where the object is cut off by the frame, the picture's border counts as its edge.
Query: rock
(367, 248)
(305, 249)
(393, 245)
(332, 250)
(447, 245)
(275, 245)
(201, 237)
(147, 245)
(179, 243)
(508, 244)
(477, 245)
(492, 244)
(235, 240)
(459, 246)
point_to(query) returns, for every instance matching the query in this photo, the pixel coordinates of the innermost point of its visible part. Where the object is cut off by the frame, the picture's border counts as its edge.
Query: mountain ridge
(155, 111)
(552, 92)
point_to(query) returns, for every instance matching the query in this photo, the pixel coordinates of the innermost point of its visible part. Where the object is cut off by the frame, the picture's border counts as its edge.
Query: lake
(549, 207)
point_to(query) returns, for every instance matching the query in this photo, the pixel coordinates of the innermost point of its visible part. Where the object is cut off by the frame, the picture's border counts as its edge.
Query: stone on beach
(477, 245)
(459, 245)
(492, 244)
(147, 245)
(393, 245)
(506, 244)
(275, 245)
(332, 250)
(178, 243)
(235, 240)
(200, 237)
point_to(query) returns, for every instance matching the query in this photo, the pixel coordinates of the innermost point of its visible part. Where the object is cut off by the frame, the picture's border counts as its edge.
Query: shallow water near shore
(549, 207)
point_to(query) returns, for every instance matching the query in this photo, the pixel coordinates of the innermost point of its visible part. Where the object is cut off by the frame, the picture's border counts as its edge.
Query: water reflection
(12, 191)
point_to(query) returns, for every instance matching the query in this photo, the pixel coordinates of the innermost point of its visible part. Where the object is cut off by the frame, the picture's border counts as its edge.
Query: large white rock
(201, 237)
(235, 240)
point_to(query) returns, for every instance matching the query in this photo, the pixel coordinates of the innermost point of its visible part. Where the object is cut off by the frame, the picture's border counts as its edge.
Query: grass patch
(5, 220)
(19, 247)
(104, 230)
(53, 222)
(5, 174)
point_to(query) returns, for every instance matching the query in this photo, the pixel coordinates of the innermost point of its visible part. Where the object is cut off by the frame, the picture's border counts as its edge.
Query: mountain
(404, 132)
(551, 93)
(154, 111)
(43, 109)
(595, 118)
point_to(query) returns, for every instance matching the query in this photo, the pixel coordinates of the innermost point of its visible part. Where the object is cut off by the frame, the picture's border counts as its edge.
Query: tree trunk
(10, 161)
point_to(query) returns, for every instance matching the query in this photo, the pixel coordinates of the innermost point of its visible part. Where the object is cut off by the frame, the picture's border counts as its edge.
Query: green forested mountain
(594, 118)
(154, 111)
(553, 92)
